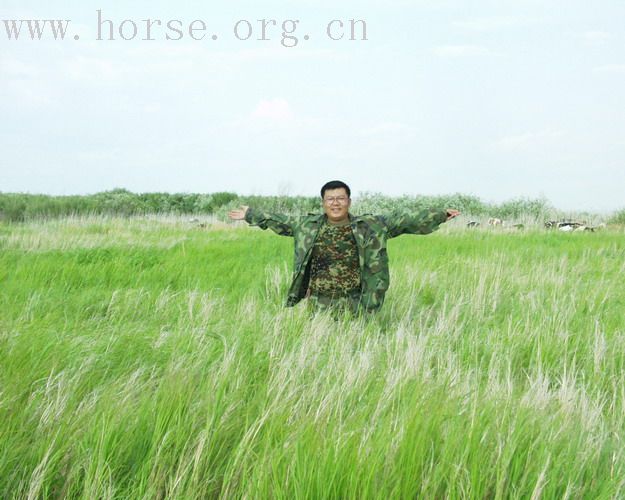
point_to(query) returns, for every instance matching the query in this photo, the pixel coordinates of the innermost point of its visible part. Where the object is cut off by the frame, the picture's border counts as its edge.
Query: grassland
(145, 358)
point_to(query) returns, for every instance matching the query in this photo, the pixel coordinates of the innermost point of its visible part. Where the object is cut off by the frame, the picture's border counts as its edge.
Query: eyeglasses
(331, 199)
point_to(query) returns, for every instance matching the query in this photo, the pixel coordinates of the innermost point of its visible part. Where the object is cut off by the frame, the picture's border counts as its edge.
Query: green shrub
(617, 217)
(523, 207)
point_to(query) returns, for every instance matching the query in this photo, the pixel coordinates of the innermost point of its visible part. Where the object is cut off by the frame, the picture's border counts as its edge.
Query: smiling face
(336, 205)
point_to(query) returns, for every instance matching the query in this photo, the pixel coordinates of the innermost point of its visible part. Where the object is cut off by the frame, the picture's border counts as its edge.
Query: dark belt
(338, 295)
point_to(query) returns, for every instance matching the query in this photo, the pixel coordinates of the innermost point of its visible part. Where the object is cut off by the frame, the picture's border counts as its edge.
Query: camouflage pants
(345, 304)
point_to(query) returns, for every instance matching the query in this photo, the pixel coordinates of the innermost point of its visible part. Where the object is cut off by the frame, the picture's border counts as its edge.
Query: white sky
(499, 99)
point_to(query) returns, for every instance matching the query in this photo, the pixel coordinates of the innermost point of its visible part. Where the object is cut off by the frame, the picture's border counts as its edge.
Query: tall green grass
(145, 358)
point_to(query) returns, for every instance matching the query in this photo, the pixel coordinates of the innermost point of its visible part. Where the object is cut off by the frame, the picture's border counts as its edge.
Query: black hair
(336, 185)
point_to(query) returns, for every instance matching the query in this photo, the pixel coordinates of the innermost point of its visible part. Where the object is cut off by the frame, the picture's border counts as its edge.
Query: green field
(146, 358)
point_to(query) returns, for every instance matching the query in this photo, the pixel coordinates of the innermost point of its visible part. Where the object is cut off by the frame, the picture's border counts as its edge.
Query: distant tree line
(17, 207)
(120, 202)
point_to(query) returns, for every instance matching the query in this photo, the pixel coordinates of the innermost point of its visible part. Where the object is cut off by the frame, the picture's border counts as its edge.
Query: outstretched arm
(278, 223)
(451, 213)
(239, 213)
(423, 222)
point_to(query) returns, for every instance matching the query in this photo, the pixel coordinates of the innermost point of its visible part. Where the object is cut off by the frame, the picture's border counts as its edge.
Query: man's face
(336, 204)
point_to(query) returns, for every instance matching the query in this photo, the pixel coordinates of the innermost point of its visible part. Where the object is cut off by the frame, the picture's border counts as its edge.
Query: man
(341, 259)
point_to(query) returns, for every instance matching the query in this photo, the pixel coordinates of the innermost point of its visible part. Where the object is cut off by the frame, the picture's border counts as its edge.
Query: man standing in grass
(340, 259)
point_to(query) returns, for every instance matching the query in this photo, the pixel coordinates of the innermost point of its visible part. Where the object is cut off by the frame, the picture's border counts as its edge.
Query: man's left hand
(451, 213)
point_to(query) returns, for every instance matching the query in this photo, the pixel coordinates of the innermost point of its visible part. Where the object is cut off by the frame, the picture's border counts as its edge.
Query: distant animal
(493, 221)
(197, 223)
(592, 229)
(572, 224)
(473, 223)
(519, 226)
(561, 225)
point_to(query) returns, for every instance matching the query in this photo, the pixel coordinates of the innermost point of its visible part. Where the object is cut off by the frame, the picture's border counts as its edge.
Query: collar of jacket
(317, 217)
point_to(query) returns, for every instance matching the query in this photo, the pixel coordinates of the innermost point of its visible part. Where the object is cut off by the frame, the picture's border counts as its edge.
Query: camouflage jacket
(371, 233)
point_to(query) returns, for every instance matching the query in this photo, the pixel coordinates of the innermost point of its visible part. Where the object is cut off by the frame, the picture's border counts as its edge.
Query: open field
(145, 358)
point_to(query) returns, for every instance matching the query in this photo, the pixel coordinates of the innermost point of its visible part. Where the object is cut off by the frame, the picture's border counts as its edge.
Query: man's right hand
(238, 214)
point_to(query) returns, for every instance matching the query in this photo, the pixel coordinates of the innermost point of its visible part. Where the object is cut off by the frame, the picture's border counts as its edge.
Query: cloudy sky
(496, 98)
